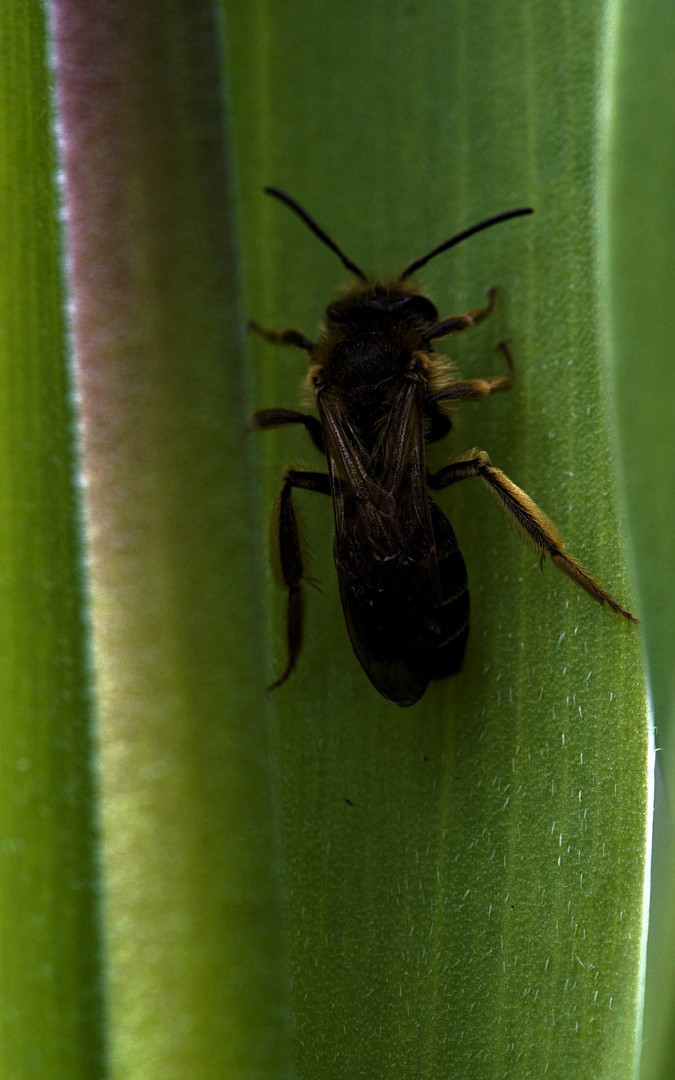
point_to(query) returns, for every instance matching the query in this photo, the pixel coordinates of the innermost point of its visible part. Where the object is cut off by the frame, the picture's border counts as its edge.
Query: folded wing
(385, 550)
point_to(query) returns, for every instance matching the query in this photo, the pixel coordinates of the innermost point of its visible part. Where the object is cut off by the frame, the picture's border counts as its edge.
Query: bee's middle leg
(288, 558)
(477, 389)
(271, 418)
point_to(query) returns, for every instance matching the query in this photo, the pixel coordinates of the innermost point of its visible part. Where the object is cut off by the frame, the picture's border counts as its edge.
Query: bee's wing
(385, 551)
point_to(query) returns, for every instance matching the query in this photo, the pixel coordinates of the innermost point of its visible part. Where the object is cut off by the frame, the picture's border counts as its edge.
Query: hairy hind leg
(531, 521)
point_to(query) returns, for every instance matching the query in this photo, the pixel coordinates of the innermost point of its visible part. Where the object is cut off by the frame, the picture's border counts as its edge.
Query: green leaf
(466, 878)
(454, 889)
(640, 266)
(50, 1022)
(192, 909)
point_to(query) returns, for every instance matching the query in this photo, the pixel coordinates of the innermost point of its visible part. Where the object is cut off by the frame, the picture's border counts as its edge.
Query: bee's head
(377, 305)
(371, 331)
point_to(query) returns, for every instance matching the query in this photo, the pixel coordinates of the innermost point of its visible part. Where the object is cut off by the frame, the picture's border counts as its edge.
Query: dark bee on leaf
(379, 386)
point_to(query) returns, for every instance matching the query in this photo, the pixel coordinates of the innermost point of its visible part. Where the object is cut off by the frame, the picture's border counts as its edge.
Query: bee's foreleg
(270, 418)
(532, 522)
(287, 557)
(455, 323)
(283, 337)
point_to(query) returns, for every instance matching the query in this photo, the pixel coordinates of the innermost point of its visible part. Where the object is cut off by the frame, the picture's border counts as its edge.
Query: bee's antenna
(311, 223)
(463, 236)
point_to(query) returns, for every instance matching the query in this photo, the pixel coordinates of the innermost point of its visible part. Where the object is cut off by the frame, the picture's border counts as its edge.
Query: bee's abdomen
(454, 598)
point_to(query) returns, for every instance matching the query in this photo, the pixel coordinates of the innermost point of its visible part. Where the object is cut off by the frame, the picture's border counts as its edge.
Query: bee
(379, 389)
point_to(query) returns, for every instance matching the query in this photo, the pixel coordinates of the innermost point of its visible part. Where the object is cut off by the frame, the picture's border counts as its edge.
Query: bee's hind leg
(287, 557)
(531, 522)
